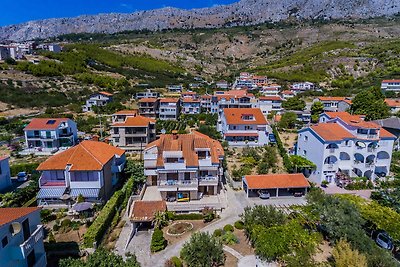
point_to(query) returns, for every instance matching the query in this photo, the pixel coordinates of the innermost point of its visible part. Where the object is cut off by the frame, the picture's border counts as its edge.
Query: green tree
(300, 163)
(160, 219)
(203, 250)
(101, 258)
(288, 120)
(294, 103)
(344, 256)
(135, 170)
(158, 241)
(316, 109)
(370, 103)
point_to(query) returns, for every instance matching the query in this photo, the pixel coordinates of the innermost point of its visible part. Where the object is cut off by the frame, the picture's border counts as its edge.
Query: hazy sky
(25, 10)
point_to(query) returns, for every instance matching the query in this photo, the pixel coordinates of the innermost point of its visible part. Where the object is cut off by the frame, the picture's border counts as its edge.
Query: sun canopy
(85, 192)
(51, 192)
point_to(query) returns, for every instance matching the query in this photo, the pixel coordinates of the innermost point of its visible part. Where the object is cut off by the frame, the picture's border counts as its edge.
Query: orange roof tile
(169, 100)
(106, 93)
(354, 120)
(331, 98)
(8, 215)
(235, 116)
(148, 99)
(391, 81)
(86, 156)
(137, 121)
(206, 96)
(392, 102)
(386, 134)
(287, 92)
(144, 211)
(272, 181)
(190, 100)
(45, 123)
(331, 131)
(270, 98)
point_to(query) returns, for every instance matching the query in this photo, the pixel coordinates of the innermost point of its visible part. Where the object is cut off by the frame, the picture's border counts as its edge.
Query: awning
(241, 134)
(85, 192)
(51, 192)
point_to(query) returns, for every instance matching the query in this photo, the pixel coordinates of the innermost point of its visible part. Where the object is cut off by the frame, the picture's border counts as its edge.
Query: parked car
(298, 194)
(22, 177)
(272, 138)
(264, 194)
(383, 240)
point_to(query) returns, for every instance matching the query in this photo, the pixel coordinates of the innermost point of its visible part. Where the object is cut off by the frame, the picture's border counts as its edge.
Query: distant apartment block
(184, 167)
(169, 108)
(346, 144)
(270, 90)
(98, 100)
(232, 99)
(243, 127)
(286, 94)
(176, 88)
(50, 134)
(4, 53)
(391, 85)
(344, 105)
(21, 235)
(148, 107)
(302, 87)
(330, 103)
(394, 105)
(90, 169)
(132, 132)
(190, 106)
(222, 84)
(147, 94)
(249, 81)
(5, 175)
(268, 104)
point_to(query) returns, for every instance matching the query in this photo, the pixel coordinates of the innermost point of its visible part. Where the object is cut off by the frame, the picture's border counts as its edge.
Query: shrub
(176, 261)
(158, 241)
(228, 228)
(51, 238)
(239, 225)
(218, 232)
(80, 199)
(56, 227)
(229, 238)
(66, 223)
(208, 214)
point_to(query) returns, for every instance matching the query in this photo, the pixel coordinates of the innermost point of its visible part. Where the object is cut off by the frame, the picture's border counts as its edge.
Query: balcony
(51, 182)
(175, 166)
(66, 134)
(30, 243)
(85, 184)
(208, 180)
(178, 184)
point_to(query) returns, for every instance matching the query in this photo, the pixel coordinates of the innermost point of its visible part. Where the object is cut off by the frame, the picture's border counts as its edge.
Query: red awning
(241, 134)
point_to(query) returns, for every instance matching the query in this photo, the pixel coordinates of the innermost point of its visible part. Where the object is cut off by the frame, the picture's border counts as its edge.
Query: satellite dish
(15, 228)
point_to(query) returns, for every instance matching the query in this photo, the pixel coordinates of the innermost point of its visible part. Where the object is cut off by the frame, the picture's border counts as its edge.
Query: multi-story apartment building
(286, 94)
(205, 103)
(391, 85)
(302, 87)
(132, 132)
(97, 100)
(232, 99)
(184, 166)
(344, 105)
(50, 134)
(169, 108)
(190, 106)
(5, 176)
(347, 144)
(394, 105)
(21, 235)
(249, 81)
(222, 84)
(244, 127)
(90, 169)
(270, 90)
(148, 107)
(330, 103)
(189, 94)
(270, 104)
(4, 53)
(176, 88)
(147, 94)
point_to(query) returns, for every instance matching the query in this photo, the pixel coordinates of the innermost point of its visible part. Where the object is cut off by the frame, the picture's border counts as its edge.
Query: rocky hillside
(244, 12)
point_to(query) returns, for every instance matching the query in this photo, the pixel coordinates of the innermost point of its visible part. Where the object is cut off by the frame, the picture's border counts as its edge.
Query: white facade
(270, 104)
(305, 86)
(190, 106)
(331, 104)
(391, 85)
(169, 110)
(147, 94)
(97, 100)
(5, 176)
(362, 152)
(175, 88)
(22, 239)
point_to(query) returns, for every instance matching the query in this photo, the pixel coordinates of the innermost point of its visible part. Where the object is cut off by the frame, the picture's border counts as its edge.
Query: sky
(27, 10)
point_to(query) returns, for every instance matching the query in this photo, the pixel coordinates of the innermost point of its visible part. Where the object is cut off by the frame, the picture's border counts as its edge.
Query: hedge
(282, 150)
(239, 225)
(188, 216)
(228, 228)
(100, 225)
(158, 241)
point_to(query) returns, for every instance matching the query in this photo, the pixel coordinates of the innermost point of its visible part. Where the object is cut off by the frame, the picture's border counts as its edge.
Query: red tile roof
(148, 100)
(287, 92)
(136, 121)
(235, 116)
(391, 81)
(354, 120)
(8, 215)
(270, 98)
(144, 211)
(272, 181)
(392, 102)
(331, 131)
(105, 93)
(190, 100)
(169, 100)
(126, 112)
(330, 98)
(45, 123)
(87, 156)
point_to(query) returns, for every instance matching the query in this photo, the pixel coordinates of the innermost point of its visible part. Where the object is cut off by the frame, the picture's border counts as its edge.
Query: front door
(154, 180)
(26, 229)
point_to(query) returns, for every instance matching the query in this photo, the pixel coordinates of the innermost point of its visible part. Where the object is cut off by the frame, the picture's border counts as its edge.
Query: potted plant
(324, 183)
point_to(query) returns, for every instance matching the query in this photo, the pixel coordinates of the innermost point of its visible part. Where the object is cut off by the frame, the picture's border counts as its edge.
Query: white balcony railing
(30, 243)
(178, 183)
(208, 180)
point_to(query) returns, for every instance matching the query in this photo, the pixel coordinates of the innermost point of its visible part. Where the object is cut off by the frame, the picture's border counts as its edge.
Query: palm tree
(160, 219)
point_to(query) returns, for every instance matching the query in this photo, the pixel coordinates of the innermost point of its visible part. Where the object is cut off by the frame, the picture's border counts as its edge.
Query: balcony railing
(178, 183)
(44, 181)
(208, 180)
(66, 134)
(30, 243)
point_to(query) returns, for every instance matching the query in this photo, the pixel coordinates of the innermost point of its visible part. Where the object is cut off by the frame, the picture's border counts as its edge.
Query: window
(116, 130)
(305, 152)
(306, 138)
(4, 242)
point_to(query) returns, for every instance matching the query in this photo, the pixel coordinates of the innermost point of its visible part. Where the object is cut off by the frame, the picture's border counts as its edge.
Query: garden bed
(197, 225)
(179, 228)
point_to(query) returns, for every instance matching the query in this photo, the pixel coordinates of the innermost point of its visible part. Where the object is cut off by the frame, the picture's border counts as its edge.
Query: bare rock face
(245, 12)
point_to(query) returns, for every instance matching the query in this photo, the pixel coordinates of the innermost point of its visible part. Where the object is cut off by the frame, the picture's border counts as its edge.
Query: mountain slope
(245, 12)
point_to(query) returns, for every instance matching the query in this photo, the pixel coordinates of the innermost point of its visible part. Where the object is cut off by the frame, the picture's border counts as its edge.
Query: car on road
(22, 177)
(272, 138)
(264, 194)
(383, 240)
